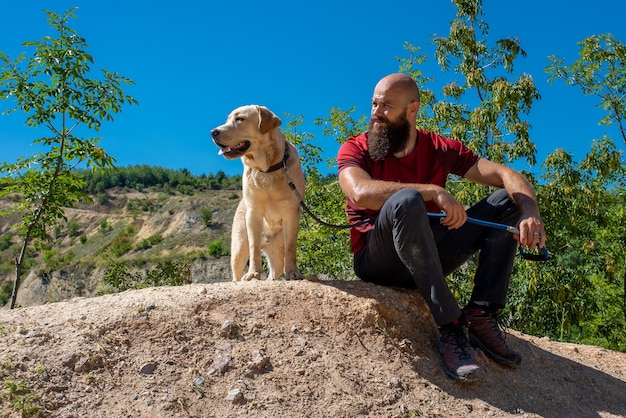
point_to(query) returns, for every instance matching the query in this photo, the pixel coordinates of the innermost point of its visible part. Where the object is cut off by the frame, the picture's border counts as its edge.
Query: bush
(73, 228)
(149, 242)
(217, 248)
(119, 278)
(102, 198)
(207, 215)
(123, 242)
(5, 242)
(5, 292)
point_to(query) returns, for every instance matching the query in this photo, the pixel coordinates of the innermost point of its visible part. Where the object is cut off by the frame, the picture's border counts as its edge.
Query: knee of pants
(407, 200)
(501, 199)
(406, 207)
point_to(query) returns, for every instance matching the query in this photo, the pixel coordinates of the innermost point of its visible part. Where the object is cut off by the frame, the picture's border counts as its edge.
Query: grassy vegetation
(15, 391)
(22, 398)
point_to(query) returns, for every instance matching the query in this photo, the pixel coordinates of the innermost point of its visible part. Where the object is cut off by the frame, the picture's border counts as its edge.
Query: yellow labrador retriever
(268, 215)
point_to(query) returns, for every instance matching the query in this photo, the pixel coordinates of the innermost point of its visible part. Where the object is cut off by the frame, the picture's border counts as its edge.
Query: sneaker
(456, 353)
(486, 334)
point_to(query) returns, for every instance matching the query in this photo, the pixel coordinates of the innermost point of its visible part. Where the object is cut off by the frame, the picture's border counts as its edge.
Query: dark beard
(383, 142)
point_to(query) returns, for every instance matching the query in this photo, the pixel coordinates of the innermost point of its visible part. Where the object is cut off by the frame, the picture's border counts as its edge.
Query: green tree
(600, 70)
(575, 295)
(54, 90)
(485, 109)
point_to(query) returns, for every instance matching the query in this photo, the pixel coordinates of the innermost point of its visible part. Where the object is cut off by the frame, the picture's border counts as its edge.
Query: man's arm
(521, 191)
(365, 192)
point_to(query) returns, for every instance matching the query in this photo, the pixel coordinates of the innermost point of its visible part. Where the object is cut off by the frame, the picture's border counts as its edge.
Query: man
(396, 174)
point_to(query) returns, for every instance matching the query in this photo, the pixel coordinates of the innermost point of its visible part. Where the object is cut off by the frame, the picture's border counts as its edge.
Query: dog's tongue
(224, 150)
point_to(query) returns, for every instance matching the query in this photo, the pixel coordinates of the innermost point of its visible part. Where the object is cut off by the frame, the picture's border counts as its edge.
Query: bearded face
(385, 141)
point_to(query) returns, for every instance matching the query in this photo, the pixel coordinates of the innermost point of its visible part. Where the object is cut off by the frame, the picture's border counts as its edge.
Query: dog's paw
(251, 276)
(294, 275)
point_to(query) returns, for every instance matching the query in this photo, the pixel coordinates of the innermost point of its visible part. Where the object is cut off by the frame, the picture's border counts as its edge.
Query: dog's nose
(215, 133)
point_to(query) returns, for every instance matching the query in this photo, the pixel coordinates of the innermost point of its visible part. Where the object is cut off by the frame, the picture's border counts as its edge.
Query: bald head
(400, 85)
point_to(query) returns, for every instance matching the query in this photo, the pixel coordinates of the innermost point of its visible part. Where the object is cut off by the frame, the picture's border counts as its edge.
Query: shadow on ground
(546, 383)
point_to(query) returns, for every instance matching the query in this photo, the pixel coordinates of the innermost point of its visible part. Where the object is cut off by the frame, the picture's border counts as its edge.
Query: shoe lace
(495, 325)
(457, 338)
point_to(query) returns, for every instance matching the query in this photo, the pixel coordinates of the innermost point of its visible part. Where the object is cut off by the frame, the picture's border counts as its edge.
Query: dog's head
(247, 130)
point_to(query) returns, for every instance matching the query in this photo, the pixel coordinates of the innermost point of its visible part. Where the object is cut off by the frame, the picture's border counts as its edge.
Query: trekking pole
(533, 257)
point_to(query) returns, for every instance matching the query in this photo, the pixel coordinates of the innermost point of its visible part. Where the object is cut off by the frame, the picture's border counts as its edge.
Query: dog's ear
(267, 120)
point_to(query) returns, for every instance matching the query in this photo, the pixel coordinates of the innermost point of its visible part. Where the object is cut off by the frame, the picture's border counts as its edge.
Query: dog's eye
(239, 119)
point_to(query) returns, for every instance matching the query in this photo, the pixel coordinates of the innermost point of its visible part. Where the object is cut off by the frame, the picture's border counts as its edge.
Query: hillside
(145, 228)
(280, 349)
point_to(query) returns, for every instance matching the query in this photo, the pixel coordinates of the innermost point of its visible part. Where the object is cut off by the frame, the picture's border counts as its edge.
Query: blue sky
(194, 61)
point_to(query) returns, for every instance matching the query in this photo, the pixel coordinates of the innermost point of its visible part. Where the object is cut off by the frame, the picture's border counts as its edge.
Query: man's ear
(267, 119)
(414, 106)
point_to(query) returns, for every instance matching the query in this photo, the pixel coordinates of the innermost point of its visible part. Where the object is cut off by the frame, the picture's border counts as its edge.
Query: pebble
(148, 368)
(235, 395)
(229, 329)
(69, 360)
(259, 361)
(221, 364)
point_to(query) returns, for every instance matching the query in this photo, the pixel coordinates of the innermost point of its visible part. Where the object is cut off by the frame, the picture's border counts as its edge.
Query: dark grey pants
(407, 248)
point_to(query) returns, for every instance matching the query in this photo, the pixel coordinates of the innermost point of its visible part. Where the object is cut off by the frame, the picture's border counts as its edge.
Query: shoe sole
(460, 378)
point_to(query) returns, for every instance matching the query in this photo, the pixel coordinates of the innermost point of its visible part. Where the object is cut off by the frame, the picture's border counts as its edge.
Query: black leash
(318, 220)
(283, 164)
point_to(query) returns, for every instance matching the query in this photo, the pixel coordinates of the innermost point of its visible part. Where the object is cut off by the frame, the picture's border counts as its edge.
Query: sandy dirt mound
(282, 349)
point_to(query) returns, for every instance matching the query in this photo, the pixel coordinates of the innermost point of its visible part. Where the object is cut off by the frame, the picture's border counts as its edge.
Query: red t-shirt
(432, 160)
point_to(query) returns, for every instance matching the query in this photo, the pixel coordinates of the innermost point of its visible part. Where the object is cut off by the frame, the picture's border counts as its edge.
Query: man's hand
(455, 212)
(493, 174)
(532, 233)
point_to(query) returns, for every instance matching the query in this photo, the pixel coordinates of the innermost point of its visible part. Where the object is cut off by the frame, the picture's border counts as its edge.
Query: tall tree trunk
(19, 262)
(39, 212)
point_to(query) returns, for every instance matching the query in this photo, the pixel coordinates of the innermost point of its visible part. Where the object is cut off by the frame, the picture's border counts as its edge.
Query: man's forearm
(522, 193)
(372, 194)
